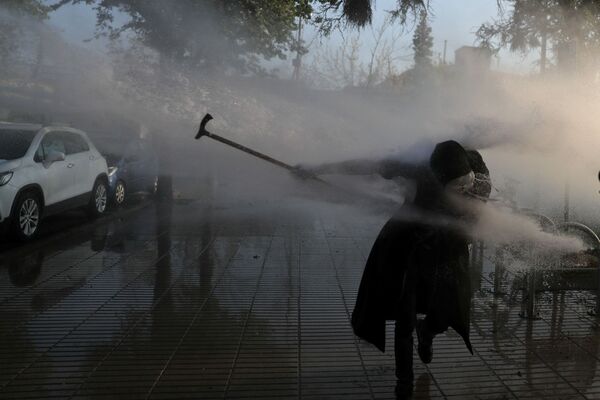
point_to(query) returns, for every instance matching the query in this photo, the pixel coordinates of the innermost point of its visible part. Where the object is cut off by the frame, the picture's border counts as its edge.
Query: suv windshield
(14, 143)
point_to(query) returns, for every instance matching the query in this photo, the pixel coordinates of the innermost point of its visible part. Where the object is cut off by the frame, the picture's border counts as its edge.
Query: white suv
(47, 170)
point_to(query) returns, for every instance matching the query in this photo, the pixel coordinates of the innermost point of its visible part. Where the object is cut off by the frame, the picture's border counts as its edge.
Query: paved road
(253, 300)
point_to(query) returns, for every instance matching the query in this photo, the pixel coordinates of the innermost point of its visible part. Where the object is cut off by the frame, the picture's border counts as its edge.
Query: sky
(457, 21)
(453, 20)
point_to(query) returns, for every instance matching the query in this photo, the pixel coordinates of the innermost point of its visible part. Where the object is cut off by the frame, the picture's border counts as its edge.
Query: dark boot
(425, 346)
(403, 391)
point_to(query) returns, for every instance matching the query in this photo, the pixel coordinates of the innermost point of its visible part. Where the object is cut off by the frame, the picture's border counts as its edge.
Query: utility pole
(576, 68)
(297, 63)
(445, 48)
(567, 199)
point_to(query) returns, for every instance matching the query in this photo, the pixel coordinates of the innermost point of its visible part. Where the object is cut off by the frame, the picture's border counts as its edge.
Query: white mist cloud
(530, 130)
(501, 226)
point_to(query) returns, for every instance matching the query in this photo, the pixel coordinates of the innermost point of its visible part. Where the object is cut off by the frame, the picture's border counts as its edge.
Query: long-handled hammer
(304, 174)
(203, 132)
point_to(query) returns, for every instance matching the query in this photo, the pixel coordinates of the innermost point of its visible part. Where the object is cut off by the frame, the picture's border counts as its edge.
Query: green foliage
(35, 8)
(422, 43)
(335, 14)
(358, 12)
(406, 8)
(217, 34)
(529, 24)
(523, 27)
(12, 30)
(205, 34)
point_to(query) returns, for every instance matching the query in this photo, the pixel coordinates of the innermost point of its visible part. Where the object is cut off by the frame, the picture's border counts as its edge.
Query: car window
(74, 143)
(52, 142)
(132, 149)
(39, 154)
(15, 143)
(146, 149)
(133, 152)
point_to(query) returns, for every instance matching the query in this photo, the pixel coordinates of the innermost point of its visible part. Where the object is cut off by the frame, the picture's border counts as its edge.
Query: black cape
(418, 252)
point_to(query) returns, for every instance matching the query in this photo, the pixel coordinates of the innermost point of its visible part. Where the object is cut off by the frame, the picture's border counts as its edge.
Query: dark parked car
(132, 167)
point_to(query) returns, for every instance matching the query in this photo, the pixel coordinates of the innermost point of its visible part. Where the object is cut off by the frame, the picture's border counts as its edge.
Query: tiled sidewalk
(190, 301)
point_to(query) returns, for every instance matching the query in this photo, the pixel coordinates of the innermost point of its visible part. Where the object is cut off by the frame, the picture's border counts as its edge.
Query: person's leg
(403, 342)
(425, 341)
(403, 351)
(435, 322)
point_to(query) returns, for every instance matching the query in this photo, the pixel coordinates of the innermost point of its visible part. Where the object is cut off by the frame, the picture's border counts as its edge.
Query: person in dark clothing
(419, 261)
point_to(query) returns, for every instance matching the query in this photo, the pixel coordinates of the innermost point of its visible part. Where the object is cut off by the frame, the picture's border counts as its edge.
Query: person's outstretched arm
(388, 168)
(350, 167)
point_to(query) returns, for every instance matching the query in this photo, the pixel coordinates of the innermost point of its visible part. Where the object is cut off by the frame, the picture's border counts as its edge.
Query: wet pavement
(189, 300)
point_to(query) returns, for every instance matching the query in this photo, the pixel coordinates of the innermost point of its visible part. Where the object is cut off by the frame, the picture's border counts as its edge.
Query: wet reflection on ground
(184, 299)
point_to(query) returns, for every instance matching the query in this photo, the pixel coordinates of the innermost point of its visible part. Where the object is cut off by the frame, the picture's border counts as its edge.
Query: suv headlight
(5, 177)
(112, 171)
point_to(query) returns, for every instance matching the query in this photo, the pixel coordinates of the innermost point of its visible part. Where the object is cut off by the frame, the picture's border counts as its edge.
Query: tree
(217, 34)
(423, 43)
(340, 66)
(206, 34)
(13, 30)
(540, 24)
(35, 8)
(331, 14)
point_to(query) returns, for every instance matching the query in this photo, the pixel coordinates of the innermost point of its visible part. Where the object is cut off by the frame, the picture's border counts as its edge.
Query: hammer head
(202, 131)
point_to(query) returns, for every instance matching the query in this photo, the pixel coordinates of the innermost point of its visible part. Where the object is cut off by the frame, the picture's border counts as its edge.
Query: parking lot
(187, 299)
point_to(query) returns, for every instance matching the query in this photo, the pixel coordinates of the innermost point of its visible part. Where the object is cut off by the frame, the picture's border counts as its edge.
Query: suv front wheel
(99, 199)
(27, 216)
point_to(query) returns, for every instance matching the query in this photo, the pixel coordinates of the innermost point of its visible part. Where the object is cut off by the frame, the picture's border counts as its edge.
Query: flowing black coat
(414, 257)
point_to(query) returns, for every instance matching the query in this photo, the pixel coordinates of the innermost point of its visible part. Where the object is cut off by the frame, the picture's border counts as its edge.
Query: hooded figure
(414, 250)
(419, 262)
